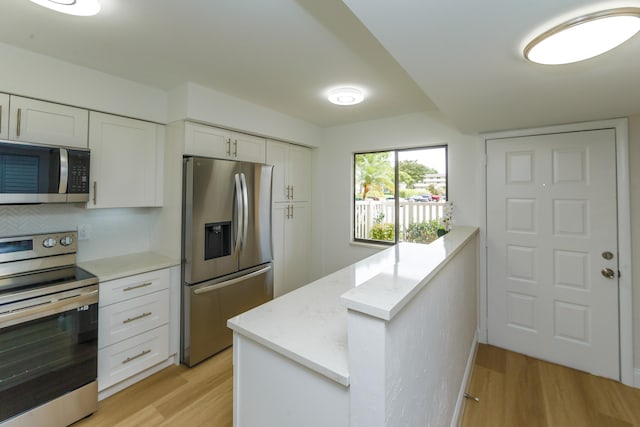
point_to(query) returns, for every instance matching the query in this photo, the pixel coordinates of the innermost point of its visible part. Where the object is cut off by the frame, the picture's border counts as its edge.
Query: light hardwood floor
(176, 396)
(514, 391)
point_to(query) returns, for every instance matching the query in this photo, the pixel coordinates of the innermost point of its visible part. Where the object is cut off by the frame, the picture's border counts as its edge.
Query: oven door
(48, 347)
(32, 173)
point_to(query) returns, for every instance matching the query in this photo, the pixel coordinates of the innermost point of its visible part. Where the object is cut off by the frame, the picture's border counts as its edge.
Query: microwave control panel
(78, 172)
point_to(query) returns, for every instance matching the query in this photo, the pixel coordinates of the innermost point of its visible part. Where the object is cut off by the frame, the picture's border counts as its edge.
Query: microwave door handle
(64, 171)
(239, 214)
(245, 203)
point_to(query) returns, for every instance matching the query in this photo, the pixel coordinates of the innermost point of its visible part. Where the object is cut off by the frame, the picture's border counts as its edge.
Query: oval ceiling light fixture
(584, 37)
(346, 96)
(71, 7)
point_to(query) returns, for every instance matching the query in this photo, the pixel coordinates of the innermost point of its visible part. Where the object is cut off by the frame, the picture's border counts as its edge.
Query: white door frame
(624, 232)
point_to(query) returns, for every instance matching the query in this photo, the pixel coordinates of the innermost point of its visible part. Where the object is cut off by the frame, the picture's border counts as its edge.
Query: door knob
(608, 273)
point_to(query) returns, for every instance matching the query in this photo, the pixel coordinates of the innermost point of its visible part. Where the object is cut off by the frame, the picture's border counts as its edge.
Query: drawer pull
(132, 358)
(132, 319)
(142, 285)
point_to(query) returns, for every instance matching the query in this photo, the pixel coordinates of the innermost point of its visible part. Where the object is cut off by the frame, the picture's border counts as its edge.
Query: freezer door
(209, 305)
(256, 234)
(210, 218)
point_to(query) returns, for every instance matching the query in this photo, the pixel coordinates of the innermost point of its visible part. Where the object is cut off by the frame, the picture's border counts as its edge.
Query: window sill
(369, 245)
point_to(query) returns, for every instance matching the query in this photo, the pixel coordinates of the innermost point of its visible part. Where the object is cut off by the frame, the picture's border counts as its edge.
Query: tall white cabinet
(291, 215)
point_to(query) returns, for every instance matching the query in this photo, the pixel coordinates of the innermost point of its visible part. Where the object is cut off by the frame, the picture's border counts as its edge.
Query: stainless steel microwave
(42, 174)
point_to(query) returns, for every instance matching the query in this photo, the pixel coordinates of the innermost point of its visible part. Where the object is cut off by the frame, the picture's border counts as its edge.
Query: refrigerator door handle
(230, 282)
(245, 210)
(240, 215)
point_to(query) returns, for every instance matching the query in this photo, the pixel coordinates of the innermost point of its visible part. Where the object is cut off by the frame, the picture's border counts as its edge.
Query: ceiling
(461, 58)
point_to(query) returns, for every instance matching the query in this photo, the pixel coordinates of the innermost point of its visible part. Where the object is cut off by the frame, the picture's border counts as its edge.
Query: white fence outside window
(366, 212)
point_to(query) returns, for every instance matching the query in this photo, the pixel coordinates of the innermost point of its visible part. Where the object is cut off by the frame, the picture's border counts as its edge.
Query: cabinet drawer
(132, 317)
(114, 291)
(120, 361)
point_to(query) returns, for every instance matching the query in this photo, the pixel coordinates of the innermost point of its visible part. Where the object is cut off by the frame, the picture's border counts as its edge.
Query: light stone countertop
(309, 324)
(127, 265)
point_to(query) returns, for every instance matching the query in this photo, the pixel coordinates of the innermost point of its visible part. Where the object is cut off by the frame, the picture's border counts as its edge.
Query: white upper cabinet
(209, 141)
(127, 159)
(43, 122)
(291, 171)
(4, 116)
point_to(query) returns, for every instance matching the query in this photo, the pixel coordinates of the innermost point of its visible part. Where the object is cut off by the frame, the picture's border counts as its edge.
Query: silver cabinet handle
(235, 148)
(292, 192)
(230, 282)
(288, 192)
(142, 285)
(95, 192)
(288, 214)
(229, 147)
(133, 319)
(132, 358)
(292, 211)
(64, 171)
(19, 120)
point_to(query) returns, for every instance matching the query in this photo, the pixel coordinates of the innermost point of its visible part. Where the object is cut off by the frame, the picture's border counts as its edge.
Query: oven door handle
(47, 308)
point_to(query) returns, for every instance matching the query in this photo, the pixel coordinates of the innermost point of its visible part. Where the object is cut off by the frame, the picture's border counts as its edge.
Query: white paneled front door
(552, 261)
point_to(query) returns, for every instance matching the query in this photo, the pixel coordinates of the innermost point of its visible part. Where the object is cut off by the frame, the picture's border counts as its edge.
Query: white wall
(332, 180)
(198, 103)
(38, 76)
(634, 161)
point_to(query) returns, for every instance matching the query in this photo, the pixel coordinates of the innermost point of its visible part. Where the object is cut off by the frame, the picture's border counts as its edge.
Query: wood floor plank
(539, 393)
(523, 392)
(490, 409)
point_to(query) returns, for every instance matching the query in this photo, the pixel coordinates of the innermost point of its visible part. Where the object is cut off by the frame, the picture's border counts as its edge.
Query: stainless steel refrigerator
(226, 250)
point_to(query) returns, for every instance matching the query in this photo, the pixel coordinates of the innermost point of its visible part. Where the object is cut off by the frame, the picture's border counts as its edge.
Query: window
(400, 195)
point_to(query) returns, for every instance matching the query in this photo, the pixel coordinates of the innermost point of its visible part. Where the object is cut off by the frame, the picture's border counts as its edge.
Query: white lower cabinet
(133, 332)
(122, 360)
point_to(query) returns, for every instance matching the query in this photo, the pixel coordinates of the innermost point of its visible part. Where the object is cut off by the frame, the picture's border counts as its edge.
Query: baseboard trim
(636, 378)
(456, 420)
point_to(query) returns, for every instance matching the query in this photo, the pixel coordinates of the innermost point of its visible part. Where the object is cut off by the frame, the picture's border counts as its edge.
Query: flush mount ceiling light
(584, 37)
(346, 96)
(71, 7)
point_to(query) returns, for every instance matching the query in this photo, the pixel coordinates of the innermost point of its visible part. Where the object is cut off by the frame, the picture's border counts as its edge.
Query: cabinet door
(207, 141)
(277, 156)
(299, 173)
(126, 162)
(291, 246)
(278, 220)
(4, 116)
(248, 148)
(48, 123)
(297, 246)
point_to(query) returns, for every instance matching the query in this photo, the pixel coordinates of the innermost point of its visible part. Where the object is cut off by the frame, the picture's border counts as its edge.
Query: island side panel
(272, 390)
(425, 349)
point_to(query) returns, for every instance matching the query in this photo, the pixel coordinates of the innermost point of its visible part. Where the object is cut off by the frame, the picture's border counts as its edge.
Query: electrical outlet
(84, 232)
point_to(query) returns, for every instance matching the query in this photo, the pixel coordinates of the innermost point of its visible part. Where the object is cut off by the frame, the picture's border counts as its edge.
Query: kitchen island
(386, 341)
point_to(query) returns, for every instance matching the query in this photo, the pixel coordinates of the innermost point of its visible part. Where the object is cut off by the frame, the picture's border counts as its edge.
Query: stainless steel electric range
(48, 332)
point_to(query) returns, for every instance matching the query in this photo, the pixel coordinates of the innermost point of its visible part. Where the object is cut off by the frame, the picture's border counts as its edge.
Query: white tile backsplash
(113, 231)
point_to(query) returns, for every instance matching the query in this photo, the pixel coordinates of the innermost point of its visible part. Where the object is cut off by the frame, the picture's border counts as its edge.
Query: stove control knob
(49, 243)
(66, 240)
